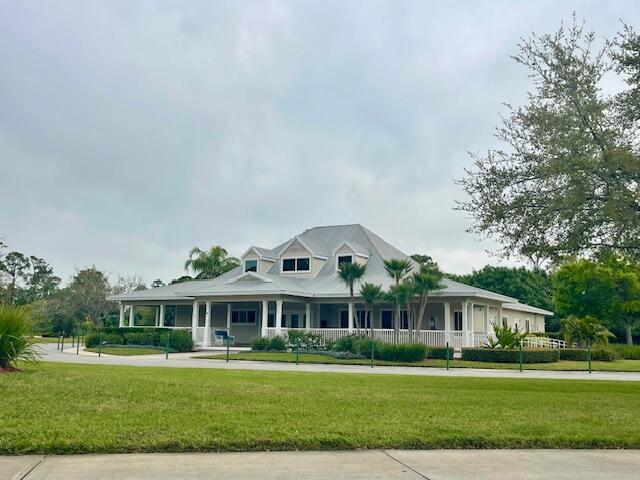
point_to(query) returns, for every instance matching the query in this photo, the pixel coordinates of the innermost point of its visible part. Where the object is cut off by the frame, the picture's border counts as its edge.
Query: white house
(297, 282)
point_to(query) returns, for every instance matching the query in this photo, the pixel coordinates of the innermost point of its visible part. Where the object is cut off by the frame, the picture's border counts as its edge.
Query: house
(297, 282)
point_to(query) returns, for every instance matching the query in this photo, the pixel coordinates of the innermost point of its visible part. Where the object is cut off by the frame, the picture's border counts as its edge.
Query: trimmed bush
(577, 354)
(628, 352)
(260, 344)
(179, 340)
(581, 354)
(277, 344)
(346, 344)
(503, 355)
(604, 355)
(439, 352)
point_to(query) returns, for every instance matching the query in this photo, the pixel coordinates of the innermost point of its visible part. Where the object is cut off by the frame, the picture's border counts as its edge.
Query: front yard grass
(65, 408)
(128, 351)
(617, 366)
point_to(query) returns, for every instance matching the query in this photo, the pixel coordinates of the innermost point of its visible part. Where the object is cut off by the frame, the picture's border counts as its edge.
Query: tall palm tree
(397, 269)
(371, 294)
(210, 263)
(350, 273)
(426, 280)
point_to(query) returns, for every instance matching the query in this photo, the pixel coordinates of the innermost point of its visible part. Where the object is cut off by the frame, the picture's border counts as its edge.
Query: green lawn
(128, 351)
(64, 408)
(617, 366)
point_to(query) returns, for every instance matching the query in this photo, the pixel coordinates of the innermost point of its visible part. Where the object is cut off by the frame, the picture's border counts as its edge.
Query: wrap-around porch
(458, 322)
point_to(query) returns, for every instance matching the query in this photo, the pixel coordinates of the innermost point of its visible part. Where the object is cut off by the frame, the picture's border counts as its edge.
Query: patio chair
(220, 338)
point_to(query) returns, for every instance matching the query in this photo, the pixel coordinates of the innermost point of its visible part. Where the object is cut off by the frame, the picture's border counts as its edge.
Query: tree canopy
(566, 177)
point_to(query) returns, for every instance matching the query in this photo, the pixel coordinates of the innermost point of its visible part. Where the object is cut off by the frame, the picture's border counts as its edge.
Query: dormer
(350, 252)
(300, 258)
(258, 260)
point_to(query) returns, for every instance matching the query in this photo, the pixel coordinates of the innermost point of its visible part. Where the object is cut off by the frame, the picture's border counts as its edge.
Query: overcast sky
(132, 131)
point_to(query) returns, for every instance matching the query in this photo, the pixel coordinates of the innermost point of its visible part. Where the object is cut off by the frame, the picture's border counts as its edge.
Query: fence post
(373, 348)
(62, 344)
(78, 345)
(58, 343)
(73, 339)
(298, 351)
(589, 356)
(228, 340)
(520, 357)
(166, 350)
(447, 355)
(100, 346)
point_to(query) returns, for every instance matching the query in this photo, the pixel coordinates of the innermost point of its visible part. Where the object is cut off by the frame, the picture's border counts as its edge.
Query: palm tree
(397, 270)
(426, 280)
(371, 294)
(585, 331)
(350, 273)
(211, 263)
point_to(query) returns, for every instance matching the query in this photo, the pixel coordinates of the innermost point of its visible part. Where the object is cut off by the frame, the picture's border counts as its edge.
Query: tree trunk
(370, 313)
(396, 324)
(629, 336)
(353, 309)
(423, 309)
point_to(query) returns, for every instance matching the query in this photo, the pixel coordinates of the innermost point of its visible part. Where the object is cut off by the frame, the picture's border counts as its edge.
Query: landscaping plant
(505, 337)
(585, 331)
(15, 342)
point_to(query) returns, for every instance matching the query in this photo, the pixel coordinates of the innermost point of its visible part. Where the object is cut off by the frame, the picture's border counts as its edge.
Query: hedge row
(582, 354)
(628, 352)
(504, 355)
(275, 344)
(400, 352)
(179, 340)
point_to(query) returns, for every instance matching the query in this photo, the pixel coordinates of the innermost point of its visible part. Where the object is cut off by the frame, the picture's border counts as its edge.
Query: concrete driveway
(370, 465)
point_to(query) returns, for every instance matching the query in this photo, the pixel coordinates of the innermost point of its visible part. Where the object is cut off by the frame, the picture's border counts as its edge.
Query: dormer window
(295, 264)
(251, 265)
(345, 259)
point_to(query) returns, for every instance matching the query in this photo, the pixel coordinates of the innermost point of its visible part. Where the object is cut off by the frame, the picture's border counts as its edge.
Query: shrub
(604, 355)
(346, 344)
(578, 354)
(581, 354)
(628, 352)
(260, 344)
(439, 352)
(313, 341)
(277, 344)
(509, 355)
(179, 340)
(505, 337)
(341, 355)
(15, 343)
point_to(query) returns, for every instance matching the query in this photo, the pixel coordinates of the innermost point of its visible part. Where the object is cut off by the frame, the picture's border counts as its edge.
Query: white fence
(543, 342)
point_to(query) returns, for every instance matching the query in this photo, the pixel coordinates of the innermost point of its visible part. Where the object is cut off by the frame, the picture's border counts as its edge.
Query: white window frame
(454, 320)
(245, 324)
(295, 259)
(338, 259)
(251, 260)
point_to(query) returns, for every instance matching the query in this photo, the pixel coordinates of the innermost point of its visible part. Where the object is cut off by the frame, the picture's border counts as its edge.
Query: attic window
(345, 259)
(295, 264)
(250, 265)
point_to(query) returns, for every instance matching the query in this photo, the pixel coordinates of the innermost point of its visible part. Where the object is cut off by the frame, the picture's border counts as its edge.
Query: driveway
(370, 465)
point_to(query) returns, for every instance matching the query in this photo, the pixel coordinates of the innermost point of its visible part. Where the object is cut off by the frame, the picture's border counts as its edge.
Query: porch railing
(428, 337)
(543, 342)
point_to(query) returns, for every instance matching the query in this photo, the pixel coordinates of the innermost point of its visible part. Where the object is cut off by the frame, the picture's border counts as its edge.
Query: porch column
(472, 324)
(207, 324)
(155, 323)
(500, 315)
(307, 324)
(131, 316)
(194, 322)
(465, 322)
(350, 317)
(161, 323)
(265, 318)
(486, 319)
(278, 318)
(228, 318)
(121, 323)
(447, 323)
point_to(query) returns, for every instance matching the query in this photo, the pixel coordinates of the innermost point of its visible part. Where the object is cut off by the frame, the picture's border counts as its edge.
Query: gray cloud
(132, 131)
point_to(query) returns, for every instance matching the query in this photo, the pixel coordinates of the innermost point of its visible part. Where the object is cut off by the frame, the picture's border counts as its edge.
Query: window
(243, 317)
(386, 319)
(271, 320)
(457, 321)
(432, 323)
(296, 264)
(527, 324)
(345, 259)
(293, 318)
(251, 265)
(344, 319)
(363, 320)
(505, 322)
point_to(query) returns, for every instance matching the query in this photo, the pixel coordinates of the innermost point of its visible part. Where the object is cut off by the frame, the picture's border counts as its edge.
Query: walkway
(371, 464)
(187, 360)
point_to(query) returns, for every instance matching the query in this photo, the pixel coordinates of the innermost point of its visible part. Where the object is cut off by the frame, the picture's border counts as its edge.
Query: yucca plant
(15, 342)
(505, 337)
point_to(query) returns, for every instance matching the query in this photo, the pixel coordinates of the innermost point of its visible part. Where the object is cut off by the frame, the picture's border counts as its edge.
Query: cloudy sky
(132, 131)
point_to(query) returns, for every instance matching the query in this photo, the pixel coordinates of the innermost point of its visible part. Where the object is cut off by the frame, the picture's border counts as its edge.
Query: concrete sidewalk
(188, 360)
(369, 464)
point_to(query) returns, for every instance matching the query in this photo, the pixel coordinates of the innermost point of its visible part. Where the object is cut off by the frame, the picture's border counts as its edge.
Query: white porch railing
(479, 339)
(428, 337)
(458, 340)
(543, 342)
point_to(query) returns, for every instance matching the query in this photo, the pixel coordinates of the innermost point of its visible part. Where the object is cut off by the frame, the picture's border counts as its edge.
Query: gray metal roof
(322, 242)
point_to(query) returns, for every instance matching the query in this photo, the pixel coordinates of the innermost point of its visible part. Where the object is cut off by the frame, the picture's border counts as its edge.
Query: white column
(308, 316)
(500, 315)
(447, 322)
(486, 319)
(207, 324)
(161, 323)
(265, 318)
(350, 317)
(156, 321)
(228, 318)
(278, 317)
(465, 326)
(131, 316)
(194, 322)
(121, 323)
(471, 322)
